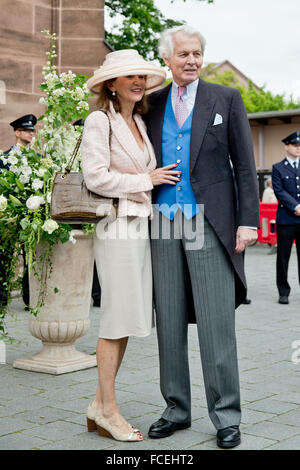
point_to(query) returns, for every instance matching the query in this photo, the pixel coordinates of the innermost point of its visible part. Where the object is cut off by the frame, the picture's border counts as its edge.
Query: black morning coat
(210, 172)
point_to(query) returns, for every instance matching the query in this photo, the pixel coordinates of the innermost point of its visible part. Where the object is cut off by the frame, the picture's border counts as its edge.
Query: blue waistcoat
(176, 149)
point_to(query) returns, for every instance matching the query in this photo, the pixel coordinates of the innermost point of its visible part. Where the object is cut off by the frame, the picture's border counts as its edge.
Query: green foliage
(138, 25)
(141, 25)
(263, 100)
(255, 100)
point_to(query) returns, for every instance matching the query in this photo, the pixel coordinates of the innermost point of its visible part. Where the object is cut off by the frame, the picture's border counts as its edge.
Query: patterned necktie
(181, 111)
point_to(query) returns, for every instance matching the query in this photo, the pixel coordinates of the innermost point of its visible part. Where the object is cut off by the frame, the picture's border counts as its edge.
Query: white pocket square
(218, 119)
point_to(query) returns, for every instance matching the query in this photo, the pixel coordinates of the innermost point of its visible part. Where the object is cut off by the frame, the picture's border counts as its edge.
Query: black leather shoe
(165, 428)
(96, 303)
(283, 299)
(229, 437)
(247, 301)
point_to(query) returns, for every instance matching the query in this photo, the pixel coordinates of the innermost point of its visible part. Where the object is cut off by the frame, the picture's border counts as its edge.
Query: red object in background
(267, 231)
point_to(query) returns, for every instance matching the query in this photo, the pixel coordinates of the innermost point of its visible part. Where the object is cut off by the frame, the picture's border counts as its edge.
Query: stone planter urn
(65, 316)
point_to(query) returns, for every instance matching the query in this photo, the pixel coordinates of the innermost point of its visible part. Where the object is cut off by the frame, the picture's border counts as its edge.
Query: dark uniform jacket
(286, 185)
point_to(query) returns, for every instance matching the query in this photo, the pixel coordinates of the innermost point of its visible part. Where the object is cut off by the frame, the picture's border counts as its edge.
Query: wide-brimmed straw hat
(126, 62)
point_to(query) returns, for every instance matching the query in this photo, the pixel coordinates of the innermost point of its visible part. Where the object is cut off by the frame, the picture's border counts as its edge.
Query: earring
(114, 93)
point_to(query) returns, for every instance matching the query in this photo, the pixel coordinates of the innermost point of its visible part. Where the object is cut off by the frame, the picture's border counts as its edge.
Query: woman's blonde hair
(105, 96)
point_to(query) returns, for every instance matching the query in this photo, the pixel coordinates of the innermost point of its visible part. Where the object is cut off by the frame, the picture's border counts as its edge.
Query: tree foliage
(255, 100)
(137, 25)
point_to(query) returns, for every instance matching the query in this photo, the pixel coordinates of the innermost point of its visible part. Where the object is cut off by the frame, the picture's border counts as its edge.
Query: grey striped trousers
(211, 275)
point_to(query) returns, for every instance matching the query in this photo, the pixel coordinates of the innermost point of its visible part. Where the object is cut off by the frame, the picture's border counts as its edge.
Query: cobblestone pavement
(40, 411)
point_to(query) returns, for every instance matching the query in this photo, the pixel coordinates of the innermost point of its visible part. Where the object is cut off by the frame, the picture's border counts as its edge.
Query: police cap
(293, 138)
(25, 122)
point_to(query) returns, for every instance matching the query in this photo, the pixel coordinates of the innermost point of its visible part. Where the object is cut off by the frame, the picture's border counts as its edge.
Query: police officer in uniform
(24, 132)
(286, 185)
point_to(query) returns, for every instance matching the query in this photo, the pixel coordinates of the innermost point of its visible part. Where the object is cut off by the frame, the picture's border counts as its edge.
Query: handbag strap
(78, 143)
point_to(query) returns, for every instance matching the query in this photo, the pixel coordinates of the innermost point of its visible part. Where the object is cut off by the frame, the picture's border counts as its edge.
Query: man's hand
(244, 236)
(297, 211)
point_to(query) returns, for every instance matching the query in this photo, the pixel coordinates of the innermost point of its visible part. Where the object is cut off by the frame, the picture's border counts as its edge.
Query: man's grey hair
(166, 46)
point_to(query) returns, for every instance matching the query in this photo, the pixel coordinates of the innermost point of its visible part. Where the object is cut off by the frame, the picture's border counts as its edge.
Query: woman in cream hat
(118, 161)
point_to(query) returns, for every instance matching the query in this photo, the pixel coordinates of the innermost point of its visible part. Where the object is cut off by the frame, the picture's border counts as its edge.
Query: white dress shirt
(291, 161)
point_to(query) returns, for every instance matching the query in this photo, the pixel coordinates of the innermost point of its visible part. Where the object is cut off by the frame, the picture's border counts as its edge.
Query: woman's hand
(165, 175)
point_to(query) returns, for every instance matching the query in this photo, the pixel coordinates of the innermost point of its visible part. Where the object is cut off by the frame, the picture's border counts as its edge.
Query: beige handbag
(72, 202)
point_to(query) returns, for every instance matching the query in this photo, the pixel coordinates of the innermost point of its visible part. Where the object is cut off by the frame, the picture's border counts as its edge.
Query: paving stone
(204, 426)
(58, 430)
(146, 444)
(271, 405)
(15, 424)
(84, 441)
(272, 430)
(26, 403)
(134, 409)
(292, 443)
(249, 396)
(290, 397)
(20, 442)
(78, 405)
(252, 416)
(270, 382)
(185, 438)
(292, 418)
(46, 415)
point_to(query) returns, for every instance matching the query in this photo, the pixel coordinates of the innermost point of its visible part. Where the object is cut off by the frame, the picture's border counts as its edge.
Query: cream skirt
(123, 259)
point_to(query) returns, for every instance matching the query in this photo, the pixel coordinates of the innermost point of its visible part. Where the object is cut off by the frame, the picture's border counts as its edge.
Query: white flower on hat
(33, 202)
(37, 184)
(3, 203)
(50, 225)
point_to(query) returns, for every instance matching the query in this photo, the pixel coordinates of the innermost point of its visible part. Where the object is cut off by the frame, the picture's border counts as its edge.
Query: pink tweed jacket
(119, 170)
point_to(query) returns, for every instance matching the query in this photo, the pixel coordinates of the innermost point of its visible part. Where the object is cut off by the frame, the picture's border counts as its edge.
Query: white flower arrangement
(27, 177)
(33, 202)
(50, 225)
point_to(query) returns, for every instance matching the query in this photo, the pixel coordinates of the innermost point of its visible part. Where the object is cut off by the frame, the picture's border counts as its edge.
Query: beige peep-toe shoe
(107, 430)
(96, 422)
(90, 417)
